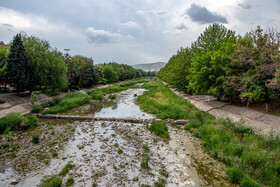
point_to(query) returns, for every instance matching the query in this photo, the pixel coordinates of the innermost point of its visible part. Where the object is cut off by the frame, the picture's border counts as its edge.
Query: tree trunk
(230, 100)
(267, 107)
(248, 103)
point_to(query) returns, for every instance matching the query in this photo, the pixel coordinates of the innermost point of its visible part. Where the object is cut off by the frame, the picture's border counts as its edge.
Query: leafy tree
(177, 69)
(209, 70)
(211, 38)
(3, 64)
(256, 62)
(16, 64)
(80, 71)
(46, 66)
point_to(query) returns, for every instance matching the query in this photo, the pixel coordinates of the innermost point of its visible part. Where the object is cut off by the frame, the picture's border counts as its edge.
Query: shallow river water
(111, 153)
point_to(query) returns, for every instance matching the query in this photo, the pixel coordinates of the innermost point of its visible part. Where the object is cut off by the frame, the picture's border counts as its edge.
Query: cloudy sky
(130, 31)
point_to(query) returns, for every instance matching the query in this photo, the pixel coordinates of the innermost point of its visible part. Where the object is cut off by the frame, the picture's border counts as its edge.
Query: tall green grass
(13, 120)
(70, 101)
(253, 159)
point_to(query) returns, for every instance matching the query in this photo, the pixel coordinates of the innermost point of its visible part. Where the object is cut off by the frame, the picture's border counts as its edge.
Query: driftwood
(124, 120)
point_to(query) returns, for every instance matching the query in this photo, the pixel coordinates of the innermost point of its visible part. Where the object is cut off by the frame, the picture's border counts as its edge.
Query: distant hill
(150, 67)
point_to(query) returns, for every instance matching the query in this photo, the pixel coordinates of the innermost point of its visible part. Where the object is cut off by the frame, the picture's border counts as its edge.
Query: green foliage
(163, 102)
(80, 71)
(65, 170)
(235, 175)
(36, 138)
(160, 129)
(32, 121)
(250, 156)
(3, 64)
(160, 183)
(16, 64)
(11, 122)
(145, 161)
(37, 109)
(33, 98)
(70, 101)
(120, 151)
(220, 64)
(113, 97)
(146, 148)
(46, 66)
(69, 181)
(52, 182)
(2, 101)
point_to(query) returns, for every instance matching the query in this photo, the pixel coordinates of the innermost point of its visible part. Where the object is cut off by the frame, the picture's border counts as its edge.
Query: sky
(130, 31)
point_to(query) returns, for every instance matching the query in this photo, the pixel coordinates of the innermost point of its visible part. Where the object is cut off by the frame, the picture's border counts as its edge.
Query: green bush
(32, 121)
(145, 161)
(11, 122)
(112, 97)
(160, 129)
(2, 101)
(37, 109)
(36, 138)
(69, 181)
(52, 182)
(235, 175)
(97, 96)
(65, 170)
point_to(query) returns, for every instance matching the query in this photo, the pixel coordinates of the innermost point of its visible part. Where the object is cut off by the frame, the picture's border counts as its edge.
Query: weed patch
(65, 170)
(52, 182)
(145, 161)
(160, 129)
(70, 101)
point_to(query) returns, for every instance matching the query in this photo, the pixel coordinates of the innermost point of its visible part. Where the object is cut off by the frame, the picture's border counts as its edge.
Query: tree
(211, 58)
(16, 64)
(211, 38)
(80, 71)
(177, 69)
(46, 66)
(3, 65)
(256, 61)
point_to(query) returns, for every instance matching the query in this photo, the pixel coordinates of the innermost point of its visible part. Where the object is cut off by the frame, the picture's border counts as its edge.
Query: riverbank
(252, 159)
(21, 103)
(261, 123)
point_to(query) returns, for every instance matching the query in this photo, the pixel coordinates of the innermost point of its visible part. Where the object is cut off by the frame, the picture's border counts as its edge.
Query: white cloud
(102, 36)
(129, 25)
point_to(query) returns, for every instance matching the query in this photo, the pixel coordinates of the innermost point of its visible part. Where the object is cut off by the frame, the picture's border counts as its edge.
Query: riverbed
(111, 153)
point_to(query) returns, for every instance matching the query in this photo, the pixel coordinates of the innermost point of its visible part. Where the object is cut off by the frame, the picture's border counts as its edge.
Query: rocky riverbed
(108, 153)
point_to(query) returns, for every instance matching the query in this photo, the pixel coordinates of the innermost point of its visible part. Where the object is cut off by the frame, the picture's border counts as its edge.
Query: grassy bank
(253, 160)
(16, 120)
(76, 99)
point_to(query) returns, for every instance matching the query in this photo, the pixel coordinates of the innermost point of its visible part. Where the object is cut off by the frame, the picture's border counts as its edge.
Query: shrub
(235, 175)
(69, 181)
(146, 148)
(112, 97)
(37, 109)
(97, 96)
(145, 161)
(32, 121)
(65, 170)
(160, 129)
(120, 151)
(11, 122)
(52, 182)
(36, 138)
(2, 101)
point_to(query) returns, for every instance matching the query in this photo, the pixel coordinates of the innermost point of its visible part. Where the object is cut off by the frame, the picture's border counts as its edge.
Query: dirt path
(262, 123)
